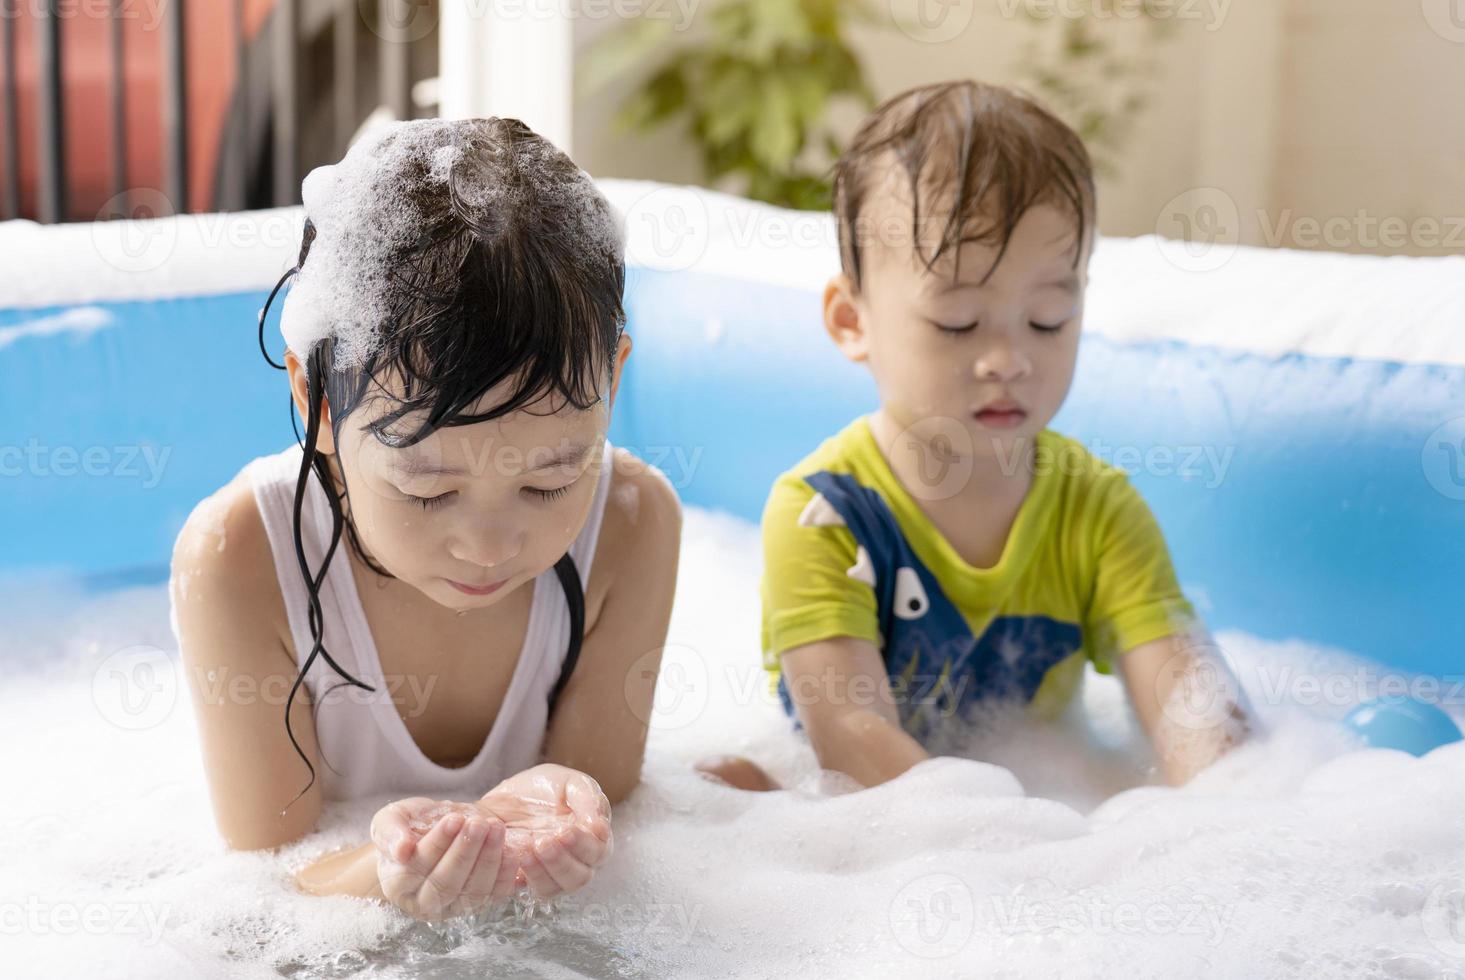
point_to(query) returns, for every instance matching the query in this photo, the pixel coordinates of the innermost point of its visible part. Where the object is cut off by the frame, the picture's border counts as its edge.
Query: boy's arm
(842, 694)
(1187, 700)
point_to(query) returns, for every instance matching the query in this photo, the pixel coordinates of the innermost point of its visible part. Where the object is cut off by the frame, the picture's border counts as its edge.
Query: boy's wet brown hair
(984, 153)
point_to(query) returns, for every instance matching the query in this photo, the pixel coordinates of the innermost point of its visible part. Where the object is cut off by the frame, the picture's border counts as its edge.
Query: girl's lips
(1002, 420)
(472, 590)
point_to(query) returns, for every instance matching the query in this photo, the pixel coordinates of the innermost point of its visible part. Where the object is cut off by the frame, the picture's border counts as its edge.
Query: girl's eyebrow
(417, 466)
(568, 456)
(414, 465)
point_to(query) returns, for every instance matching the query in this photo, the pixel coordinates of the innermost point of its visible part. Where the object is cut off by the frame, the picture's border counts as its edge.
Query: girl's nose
(488, 548)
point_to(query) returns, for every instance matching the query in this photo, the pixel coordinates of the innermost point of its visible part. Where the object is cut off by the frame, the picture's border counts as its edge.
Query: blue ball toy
(1402, 723)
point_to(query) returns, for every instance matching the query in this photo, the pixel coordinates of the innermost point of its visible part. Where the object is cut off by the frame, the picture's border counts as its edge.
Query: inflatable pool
(1295, 420)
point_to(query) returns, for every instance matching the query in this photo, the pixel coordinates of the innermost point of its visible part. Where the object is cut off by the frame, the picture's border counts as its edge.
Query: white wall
(1286, 116)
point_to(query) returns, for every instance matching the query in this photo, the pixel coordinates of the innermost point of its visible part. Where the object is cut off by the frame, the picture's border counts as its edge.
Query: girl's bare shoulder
(223, 570)
(641, 529)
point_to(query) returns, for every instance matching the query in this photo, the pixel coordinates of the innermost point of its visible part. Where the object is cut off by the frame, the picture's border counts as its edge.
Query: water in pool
(1057, 854)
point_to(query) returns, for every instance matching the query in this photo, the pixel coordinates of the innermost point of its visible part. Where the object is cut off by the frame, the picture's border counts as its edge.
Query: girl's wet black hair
(506, 292)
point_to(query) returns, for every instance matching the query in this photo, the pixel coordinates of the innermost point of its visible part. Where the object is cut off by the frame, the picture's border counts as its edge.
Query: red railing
(118, 108)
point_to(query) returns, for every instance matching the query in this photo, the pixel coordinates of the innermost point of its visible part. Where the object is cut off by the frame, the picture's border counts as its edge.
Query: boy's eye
(959, 328)
(431, 503)
(968, 327)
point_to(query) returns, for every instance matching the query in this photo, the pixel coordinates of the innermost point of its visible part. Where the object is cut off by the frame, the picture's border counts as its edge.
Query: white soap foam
(366, 208)
(1052, 852)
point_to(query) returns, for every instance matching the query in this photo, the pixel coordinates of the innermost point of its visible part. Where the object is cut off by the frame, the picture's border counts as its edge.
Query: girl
(492, 623)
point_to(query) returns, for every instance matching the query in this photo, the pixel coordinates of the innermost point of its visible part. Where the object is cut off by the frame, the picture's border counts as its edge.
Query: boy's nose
(1002, 363)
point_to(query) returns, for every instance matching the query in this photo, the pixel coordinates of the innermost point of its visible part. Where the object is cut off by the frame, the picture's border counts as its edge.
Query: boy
(948, 550)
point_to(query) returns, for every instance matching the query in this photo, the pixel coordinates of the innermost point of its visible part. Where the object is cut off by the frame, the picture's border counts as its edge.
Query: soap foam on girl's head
(379, 201)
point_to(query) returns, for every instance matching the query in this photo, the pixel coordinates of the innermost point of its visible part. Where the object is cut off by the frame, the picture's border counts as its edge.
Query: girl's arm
(599, 724)
(235, 655)
(1187, 700)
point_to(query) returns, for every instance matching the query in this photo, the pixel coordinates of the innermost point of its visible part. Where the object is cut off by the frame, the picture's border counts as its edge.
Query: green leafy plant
(1096, 70)
(752, 81)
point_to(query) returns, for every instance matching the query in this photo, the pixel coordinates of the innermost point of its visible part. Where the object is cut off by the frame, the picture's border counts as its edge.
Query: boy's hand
(557, 827)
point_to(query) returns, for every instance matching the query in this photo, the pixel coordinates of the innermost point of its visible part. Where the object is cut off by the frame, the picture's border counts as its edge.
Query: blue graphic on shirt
(936, 666)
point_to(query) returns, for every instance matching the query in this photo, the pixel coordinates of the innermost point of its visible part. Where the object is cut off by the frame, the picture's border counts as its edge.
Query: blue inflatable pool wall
(1297, 422)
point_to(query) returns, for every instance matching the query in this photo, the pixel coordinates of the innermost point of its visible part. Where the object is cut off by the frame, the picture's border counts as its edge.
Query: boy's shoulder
(846, 451)
(1080, 476)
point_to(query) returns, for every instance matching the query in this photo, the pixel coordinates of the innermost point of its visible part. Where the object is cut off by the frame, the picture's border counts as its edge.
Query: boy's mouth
(1001, 414)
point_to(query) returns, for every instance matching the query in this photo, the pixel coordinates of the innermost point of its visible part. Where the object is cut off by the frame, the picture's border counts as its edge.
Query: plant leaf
(616, 54)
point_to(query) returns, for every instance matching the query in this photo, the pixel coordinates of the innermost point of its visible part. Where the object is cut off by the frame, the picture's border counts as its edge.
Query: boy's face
(983, 368)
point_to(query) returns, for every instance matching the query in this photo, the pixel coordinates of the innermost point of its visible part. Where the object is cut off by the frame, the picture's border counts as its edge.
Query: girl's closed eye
(430, 503)
(554, 494)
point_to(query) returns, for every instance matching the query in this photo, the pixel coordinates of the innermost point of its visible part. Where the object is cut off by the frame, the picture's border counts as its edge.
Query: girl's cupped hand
(557, 824)
(546, 828)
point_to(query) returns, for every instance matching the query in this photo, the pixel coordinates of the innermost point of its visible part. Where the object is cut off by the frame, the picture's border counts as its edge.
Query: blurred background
(1309, 124)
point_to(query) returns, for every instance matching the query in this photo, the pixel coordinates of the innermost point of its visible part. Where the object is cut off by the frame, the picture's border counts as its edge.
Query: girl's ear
(623, 351)
(326, 439)
(843, 319)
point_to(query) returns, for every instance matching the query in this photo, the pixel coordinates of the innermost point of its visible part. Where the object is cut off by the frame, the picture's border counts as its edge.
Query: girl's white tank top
(365, 744)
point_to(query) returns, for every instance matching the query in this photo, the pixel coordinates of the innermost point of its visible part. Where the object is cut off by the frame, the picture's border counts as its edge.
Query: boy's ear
(623, 351)
(326, 439)
(844, 320)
